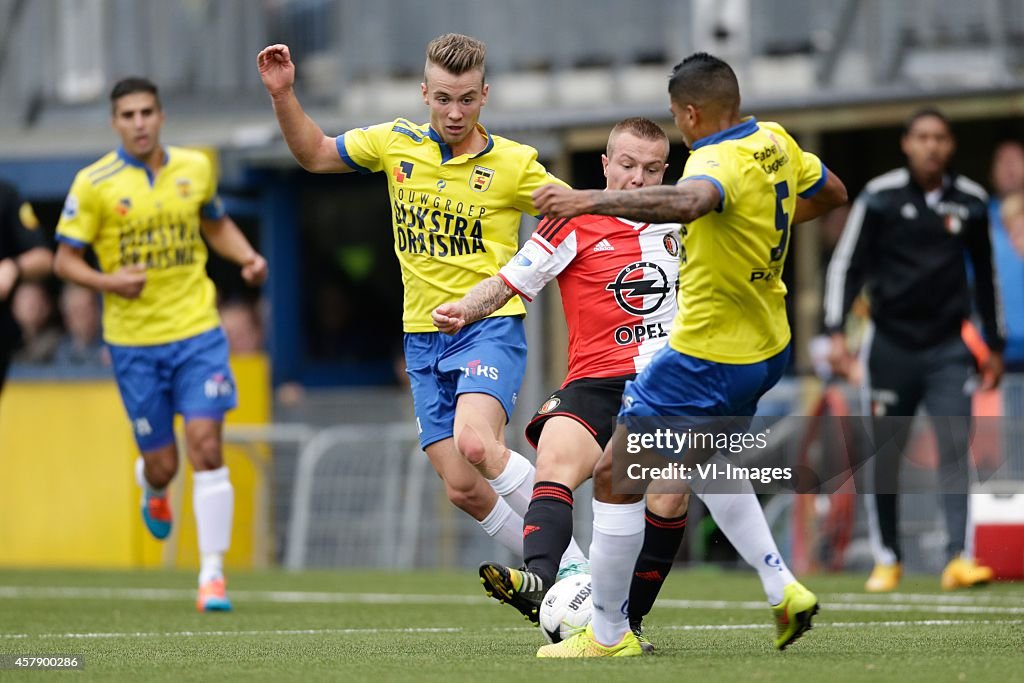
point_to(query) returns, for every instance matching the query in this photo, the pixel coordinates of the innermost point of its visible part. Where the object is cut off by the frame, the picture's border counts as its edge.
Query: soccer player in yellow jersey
(457, 196)
(744, 185)
(144, 209)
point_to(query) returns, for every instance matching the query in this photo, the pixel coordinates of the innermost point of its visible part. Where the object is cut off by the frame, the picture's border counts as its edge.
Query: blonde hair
(456, 54)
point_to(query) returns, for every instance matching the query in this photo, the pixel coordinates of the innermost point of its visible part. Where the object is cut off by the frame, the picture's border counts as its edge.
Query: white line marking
(971, 598)
(175, 594)
(195, 634)
(846, 607)
(908, 602)
(764, 626)
(849, 624)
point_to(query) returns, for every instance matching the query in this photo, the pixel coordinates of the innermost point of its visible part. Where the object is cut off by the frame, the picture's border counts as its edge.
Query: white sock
(140, 478)
(211, 567)
(740, 517)
(515, 486)
(515, 483)
(505, 526)
(213, 499)
(618, 539)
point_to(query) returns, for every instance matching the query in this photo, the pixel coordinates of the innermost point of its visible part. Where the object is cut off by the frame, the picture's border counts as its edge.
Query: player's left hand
(449, 318)
(992, 371)
(254, 270)
(556, 201)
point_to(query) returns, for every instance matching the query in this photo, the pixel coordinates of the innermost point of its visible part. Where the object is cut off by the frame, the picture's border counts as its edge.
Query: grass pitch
(345, 626)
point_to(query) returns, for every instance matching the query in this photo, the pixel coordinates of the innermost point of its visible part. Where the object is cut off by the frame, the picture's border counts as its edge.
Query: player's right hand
(556, 201)
(127, 282)
(277, 70)
(449, 318)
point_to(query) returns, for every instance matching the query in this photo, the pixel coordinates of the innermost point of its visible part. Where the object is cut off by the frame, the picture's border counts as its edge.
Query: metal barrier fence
(365, 496)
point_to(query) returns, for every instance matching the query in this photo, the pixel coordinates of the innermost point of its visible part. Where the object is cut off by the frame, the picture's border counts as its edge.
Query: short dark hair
(643, 128)
(704, 80)
(927, 113)
(130, 86)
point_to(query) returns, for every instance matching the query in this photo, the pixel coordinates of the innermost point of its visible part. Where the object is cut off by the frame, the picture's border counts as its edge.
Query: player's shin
(738, 514)
(618, 537)
(143, 482)
(547, 529)
(505, 526)
(662, 538)
(515, 484)
(214, 503)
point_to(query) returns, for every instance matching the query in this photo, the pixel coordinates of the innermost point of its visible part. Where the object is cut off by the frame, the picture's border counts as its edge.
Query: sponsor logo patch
(402, 171)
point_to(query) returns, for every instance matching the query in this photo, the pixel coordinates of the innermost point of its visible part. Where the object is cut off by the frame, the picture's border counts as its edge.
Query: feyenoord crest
(671, 246)
(549, 405)
(481, 178)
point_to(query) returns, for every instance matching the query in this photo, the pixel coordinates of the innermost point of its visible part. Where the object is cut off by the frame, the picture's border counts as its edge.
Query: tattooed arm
(479, 302)
(681, 203)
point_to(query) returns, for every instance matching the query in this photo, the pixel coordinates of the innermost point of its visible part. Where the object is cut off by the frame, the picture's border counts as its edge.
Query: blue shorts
(190, 377)
(674, 384)
(486, 357)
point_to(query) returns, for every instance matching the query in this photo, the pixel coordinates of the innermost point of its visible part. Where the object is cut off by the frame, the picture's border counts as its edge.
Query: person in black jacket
(905, 239)
(23, 255)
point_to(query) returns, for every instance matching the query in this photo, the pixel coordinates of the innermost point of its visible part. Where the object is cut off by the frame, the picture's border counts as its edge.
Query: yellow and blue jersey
(732, 306)
(129, 216)
(455, 218)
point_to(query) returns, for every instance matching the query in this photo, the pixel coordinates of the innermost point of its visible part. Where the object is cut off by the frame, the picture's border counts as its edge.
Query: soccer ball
(567, 608)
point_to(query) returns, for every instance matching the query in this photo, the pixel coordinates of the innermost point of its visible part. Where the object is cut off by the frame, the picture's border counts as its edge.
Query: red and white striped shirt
(618, 280)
